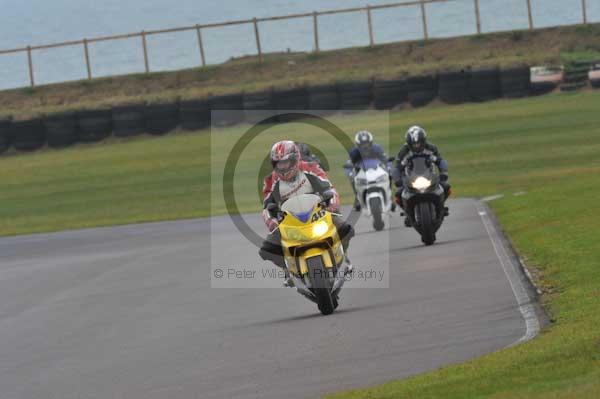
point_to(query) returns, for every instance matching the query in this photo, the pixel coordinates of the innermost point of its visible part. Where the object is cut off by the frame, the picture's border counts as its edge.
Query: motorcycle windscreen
(369, 163)
(420, 167)
(301, 206)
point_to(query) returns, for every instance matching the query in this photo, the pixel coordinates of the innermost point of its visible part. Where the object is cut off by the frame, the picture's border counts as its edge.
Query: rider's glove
(443, 177)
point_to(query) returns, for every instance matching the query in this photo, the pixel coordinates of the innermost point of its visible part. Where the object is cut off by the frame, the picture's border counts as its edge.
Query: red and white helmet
(285, 156)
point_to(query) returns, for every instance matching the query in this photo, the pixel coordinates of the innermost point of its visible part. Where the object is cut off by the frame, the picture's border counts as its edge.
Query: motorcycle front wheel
(319, 279)
(426, 216)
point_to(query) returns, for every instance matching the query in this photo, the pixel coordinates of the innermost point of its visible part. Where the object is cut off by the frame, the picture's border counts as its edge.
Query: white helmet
(363, 138)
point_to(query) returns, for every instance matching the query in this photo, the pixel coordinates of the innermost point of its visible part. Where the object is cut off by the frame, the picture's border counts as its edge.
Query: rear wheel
(425, 210)
(376, 211)
(319, 278)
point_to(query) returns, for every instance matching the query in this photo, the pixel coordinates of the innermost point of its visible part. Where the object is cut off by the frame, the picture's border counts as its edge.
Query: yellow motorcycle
(313, 252)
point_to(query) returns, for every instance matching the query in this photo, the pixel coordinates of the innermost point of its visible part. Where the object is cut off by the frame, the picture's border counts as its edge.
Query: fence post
(316, 30)
(86, 52)
(30, 62)
(145, 47)
(424, 15)
(584, 10)
(478, 17)
(370, 22)
(200, 45)
(529, 14)
(257, 35)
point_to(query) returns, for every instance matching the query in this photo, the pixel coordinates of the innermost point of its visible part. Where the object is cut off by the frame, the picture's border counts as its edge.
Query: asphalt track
(129, 312)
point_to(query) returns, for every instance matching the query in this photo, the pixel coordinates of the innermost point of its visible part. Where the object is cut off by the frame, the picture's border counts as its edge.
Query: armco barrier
(62, 129)
(389, 93)
(453, 86)
(66, 128)
(484, 84)
(94, 125)
(515, 82)
(28, 135)
(5, 135)
(128, 120)
(421, 89)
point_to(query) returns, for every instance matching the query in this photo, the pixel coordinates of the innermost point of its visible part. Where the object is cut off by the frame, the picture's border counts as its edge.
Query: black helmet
(363, 139)
(416, 138)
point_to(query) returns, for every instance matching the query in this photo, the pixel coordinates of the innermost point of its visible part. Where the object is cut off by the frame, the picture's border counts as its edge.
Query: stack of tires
(291, 104)
(484, 84)
(389, 93)
(5, 135)
(515, 82)
(421, 89)
(194, 114)
(62, 129)
(453, 86)
(594, 75)
(128, 119)
(161, 118)
(323, 98)
(28, 135)
(226, 110)
(545, 79)
(355, 96)
(258, 106)
(94, 125)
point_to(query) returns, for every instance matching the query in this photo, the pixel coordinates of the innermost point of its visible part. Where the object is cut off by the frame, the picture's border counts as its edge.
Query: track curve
(129, 312)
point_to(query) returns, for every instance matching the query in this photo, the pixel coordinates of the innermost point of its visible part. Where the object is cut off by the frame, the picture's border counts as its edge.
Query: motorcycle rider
(292, 176)
(416, 144)
(365, 149)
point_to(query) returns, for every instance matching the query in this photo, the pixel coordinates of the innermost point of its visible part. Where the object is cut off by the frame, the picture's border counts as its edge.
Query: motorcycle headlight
(421, 183)
(319, 228)
(362, 182)
(382, 179)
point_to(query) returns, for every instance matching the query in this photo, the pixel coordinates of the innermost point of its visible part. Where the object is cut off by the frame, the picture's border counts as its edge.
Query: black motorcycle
(423, 197)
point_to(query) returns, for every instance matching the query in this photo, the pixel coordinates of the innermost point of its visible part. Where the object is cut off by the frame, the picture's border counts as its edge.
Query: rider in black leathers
(416, 143)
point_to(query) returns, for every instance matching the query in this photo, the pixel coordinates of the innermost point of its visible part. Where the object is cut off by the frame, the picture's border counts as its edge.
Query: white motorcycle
(372, 189)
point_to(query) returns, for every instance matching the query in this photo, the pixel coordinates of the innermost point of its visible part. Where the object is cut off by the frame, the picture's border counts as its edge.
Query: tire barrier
(389, 93)
(161, 118)
(62, 129)
(323, 98)
(421, 89)
(545, 79)
(355, 96)
(128, 120)
(5, 135)
(290, 100)
(94, 125)
(594, 76)
(515, 82)
(28, 135)
(453, 86)
(231, 102)
(194, 114)
(257, 106)
(484, 84)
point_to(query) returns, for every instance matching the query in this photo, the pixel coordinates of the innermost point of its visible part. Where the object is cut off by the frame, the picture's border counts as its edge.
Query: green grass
(547, 147)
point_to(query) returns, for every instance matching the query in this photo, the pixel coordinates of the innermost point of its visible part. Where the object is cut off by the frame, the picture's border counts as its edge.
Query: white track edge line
(526, 307)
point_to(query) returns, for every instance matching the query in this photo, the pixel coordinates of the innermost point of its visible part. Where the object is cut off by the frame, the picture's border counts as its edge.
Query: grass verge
(293, 69)
(546, 147)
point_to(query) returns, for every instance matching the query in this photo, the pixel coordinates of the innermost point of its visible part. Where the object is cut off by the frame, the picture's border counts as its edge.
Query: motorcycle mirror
(327, 196)
(391, 159)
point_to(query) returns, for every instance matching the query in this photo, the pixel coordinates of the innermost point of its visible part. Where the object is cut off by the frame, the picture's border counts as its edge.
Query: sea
(38, 22)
